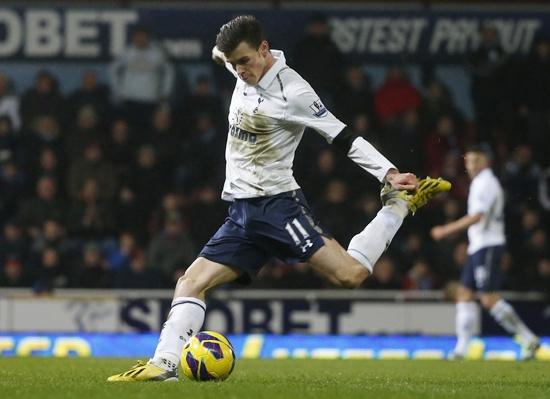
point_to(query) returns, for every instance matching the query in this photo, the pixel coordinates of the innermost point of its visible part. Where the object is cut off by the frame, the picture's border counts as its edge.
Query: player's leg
(505, 315)
(184, 320)
(338, 266)
(188, 308)
(369, 244)
(227, 255)
(465, 317)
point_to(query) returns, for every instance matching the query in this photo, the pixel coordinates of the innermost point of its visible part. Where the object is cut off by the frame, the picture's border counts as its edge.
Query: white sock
(368, 245)
(464, 324)
(184, 320)
(506, 316)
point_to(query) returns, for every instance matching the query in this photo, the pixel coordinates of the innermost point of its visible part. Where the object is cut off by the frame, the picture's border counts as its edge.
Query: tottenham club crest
(318, 109)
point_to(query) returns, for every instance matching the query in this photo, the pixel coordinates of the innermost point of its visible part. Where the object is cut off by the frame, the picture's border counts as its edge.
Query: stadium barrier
(270, 324)
(318, 312)
(256, 346)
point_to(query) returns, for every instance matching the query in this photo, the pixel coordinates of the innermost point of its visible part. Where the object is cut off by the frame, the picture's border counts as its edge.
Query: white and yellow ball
(208, 356)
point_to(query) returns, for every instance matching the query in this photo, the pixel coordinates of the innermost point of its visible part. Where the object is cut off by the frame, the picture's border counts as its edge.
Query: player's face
(475, 163)
(250, 63)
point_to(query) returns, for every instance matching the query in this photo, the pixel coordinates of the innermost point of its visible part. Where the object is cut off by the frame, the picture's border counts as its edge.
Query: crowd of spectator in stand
(118, 186)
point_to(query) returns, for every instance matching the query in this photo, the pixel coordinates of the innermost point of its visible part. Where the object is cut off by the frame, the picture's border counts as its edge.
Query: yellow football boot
(427, 189)
(145, 372)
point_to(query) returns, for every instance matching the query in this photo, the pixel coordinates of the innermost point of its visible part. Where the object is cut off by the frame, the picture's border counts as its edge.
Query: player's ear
(264, 48)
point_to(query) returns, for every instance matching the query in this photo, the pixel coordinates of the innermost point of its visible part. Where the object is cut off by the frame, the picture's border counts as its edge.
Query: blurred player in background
(269, 217)
(485, 225)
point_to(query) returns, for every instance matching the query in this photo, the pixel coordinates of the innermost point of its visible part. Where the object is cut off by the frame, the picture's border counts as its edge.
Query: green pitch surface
(318, 379)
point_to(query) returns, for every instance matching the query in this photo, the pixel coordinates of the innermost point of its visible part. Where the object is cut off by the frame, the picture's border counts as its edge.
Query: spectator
(50, 165)
(486, 67)
(340, 219)
(13, 243)
(91, 217)
(542, 281)
(44, 132)
(521, 179)
(203, 100)
(355, 95)
(91, 94)
(205, 214)
(121, 255)
(9, 141)
(92, 166)
(141, 78)
(534, 99)
(544, 190)
(146, 179)
(84, 131)
(12, 186)
(130, 216)
(165, 141)
(407, 132)
(172, 249)
(91, 271)
(395, 96)
(194, 167)
(46, 205)
(9, 103)
(435, 104)
(441, 142)
(121, 147)
(42, 99)
(50, 271)
(384, 276)
(137, 274)
(52, 235)
(419, 276)
(318, 59)
(13, 274)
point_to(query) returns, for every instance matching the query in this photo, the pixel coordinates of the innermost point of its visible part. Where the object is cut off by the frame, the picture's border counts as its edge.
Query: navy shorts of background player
(482, 270)
(258, 229)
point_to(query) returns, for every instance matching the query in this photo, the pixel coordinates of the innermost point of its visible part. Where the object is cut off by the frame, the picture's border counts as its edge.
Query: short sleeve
(306, 108)
(482, 198)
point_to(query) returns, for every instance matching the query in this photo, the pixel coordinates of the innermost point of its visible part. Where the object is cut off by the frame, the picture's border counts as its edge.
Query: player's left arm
(445, 230)
(369, 158)
(306, 108)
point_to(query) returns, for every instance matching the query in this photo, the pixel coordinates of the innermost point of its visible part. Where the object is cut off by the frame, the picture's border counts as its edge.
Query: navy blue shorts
(258, 229)
(482, 270)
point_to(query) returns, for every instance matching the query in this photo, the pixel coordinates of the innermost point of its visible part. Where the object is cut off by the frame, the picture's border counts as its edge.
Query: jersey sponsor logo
(318, 109)
(241, 134)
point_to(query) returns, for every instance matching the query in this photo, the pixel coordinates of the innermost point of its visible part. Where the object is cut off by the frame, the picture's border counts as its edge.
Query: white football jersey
(486, 197)
(266, 124)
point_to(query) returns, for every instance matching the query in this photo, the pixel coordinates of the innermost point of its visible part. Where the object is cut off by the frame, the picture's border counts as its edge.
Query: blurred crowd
(117, 184)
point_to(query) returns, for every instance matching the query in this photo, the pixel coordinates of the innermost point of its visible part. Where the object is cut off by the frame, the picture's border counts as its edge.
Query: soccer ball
(208, 356)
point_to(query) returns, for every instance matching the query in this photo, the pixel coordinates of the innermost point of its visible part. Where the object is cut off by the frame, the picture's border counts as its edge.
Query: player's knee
(352, 277)
(189, 286)
(487, 301)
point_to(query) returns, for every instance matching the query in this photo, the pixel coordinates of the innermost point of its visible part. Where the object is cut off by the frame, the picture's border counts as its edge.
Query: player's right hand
(217, 56)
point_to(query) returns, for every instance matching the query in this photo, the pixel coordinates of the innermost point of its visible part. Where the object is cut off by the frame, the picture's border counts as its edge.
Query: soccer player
(485, 224)
(269, 216)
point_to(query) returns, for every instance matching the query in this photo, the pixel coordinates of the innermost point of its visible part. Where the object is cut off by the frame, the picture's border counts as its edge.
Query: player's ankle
(165, 362)
(399, 207)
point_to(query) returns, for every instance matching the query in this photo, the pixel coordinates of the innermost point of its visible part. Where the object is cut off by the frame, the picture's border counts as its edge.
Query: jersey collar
(280, 63)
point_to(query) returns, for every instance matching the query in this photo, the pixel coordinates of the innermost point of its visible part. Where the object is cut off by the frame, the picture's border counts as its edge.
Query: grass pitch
(46, 378)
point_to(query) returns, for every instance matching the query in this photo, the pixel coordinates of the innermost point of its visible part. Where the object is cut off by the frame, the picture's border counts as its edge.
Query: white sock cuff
(469, 306)
(187, 299)
(359, 257)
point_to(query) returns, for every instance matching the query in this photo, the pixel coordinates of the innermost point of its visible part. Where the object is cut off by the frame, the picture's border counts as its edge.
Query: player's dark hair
(481, 148)
(244, 28)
